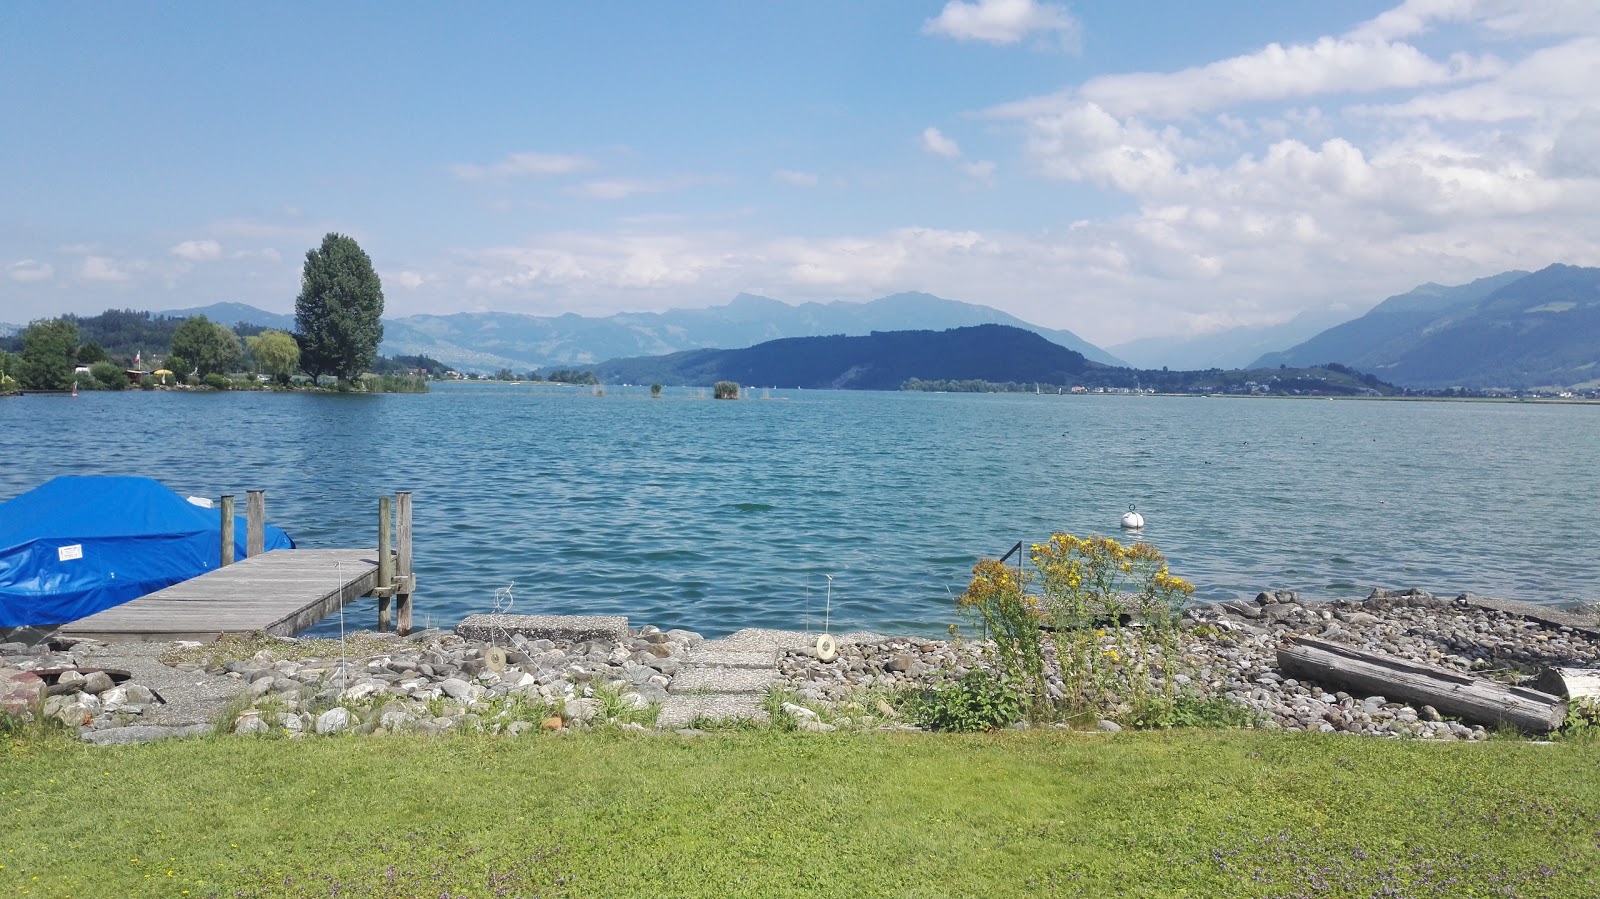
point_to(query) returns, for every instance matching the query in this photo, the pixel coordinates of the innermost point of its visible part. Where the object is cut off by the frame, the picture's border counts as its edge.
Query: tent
(77, 545)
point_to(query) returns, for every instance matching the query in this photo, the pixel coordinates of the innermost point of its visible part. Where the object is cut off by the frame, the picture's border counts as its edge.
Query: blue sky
(1119, 169)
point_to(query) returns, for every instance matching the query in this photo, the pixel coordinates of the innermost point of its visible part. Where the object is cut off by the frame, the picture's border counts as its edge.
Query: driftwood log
(1573, 683)
(1473, 699)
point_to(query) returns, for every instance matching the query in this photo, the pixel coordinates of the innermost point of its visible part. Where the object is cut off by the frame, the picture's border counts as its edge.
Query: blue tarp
(77, 545)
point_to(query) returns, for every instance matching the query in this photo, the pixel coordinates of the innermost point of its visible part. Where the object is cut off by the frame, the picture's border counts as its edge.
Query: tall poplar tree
(338, 315)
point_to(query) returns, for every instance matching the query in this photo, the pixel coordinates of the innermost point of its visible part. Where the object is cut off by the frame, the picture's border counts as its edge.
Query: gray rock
(455, 688)
(333, 721)
(96, 682)
(1108, 726)
(249, 724)
(580, 709)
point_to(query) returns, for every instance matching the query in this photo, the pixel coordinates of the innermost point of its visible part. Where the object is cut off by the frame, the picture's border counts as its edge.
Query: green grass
(774, 814)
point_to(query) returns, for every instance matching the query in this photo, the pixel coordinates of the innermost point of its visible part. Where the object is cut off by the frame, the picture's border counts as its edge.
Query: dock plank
(281, 592)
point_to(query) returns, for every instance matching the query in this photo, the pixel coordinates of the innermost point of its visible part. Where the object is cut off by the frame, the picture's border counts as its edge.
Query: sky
(1119, 169)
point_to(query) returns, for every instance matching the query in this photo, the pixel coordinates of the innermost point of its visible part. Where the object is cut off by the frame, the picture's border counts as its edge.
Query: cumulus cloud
(197, 250)
(407, 279)
(101, 269)
(794, 178)
(934, 141)
(1004, 22)
(29, 270)
(522, 165)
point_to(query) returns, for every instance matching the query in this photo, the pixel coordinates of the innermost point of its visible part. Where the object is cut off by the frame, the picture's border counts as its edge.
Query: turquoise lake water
(688, 512)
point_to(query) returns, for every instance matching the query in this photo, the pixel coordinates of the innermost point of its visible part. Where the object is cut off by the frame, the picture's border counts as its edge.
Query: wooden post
(255, 518)
(227, 530)
(403, 605)
(385, 562)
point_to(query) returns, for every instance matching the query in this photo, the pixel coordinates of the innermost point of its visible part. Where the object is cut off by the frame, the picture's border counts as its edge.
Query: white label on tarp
(68, 553)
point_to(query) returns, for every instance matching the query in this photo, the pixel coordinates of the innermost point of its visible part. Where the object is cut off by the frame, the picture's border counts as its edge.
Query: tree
(109, 376)
(339, 311)
(209, 346)
(47, 354)
(90, 353)
(277, 352)
(9, 365)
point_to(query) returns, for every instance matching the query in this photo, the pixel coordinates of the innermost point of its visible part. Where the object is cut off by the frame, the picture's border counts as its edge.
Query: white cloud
(1004, 22)
(522, 165)
(197, 250)
(407, 279)
(934, 141)
(1277, 72)
(616, 188)
(29, 270)
(101, 269)
(794, 178)
(982, 169)
(267, 254)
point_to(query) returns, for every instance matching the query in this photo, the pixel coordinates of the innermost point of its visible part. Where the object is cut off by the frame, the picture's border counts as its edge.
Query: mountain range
(975, 357)
(1232, 348)
(1513, 330)
(484, 341)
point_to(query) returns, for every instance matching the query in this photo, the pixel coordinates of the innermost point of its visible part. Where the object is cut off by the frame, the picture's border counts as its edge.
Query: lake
(688, 512)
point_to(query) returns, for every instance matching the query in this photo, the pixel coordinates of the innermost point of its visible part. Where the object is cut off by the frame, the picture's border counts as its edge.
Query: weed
(978, 701)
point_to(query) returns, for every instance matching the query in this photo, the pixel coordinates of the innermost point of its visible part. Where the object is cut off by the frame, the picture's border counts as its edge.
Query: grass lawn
(1196, 813)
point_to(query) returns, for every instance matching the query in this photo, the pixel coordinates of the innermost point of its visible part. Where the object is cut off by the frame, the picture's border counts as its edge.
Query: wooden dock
(281, 592)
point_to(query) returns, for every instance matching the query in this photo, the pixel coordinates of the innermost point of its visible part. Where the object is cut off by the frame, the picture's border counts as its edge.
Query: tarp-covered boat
(77, 545)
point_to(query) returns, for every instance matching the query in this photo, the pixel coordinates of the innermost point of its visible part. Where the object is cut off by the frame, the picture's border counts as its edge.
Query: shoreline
(514, 674)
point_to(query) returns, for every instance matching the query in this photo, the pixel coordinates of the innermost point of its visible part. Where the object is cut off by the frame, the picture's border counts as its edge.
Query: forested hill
(882, 360)
(980, 357)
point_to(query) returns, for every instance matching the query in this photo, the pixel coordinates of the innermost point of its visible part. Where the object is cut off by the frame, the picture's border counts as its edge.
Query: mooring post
(227, 530)
(255, 520)
(385, 562)
(408, 582)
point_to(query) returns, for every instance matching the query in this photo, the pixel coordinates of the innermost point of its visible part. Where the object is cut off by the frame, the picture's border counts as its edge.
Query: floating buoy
(1132, 520)
(827, 649)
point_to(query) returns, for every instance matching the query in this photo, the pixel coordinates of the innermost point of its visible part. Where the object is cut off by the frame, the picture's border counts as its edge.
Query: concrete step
(715, 658)
(694, 679)
(680, 710)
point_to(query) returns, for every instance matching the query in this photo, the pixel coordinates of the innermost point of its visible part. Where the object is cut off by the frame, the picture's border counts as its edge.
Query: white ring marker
(827, 649)
(494, 658)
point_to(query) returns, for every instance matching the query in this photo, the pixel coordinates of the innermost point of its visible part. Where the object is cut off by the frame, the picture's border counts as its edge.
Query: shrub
(1011, 619)
(216, 381)
(978, 701)
(109, 376)
(1114, 612)
(726, 390)
(655, 390)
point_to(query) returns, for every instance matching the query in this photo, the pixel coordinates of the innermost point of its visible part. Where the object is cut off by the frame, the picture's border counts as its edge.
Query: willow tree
(276, 352)
(338, 314)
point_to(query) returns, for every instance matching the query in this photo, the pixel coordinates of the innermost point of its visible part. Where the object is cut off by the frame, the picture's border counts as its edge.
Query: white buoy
(1132, 520)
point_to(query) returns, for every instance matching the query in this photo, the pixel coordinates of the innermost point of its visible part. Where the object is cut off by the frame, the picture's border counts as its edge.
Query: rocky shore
(489, 676)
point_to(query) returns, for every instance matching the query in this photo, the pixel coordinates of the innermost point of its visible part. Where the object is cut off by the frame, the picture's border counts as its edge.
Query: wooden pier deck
(281, 592)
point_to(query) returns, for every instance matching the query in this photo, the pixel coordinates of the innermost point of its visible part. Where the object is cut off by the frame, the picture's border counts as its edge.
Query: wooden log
(1573, 683)
(227, 530)
(385, 562)
(403, 562)
(255, 519)
(1472, 699)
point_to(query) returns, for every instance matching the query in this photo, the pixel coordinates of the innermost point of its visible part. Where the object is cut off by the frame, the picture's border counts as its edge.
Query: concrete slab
(679, 711)
(732, 659)
(723, 680)
(560, 628)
